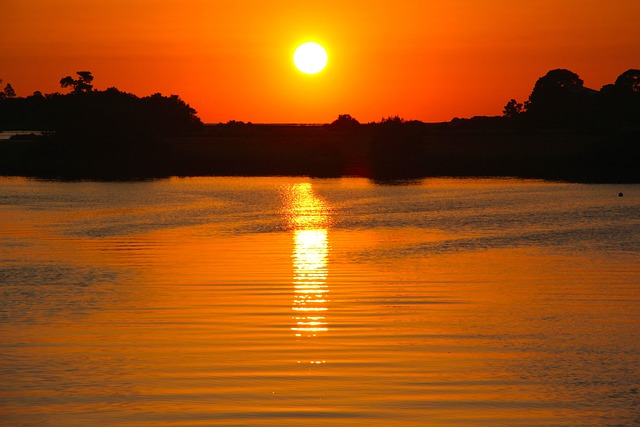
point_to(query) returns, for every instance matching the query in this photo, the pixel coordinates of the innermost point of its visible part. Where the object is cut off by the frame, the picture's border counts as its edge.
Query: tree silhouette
(9, 92)
(345, 121)
(81, 84)
(392, 120)
(620, 102)
(560, 100)
(629, 81)
(512, 109)
(556, 84)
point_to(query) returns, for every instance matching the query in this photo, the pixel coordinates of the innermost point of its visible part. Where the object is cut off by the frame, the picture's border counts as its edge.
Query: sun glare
(310, 58)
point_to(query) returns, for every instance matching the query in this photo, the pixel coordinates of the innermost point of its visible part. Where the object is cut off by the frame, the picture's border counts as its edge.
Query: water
(290, 301)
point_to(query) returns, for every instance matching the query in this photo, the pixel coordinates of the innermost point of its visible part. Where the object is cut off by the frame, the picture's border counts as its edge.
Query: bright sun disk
(310, 58)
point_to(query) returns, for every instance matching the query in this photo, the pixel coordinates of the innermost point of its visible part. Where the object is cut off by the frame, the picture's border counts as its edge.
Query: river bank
(407, 150)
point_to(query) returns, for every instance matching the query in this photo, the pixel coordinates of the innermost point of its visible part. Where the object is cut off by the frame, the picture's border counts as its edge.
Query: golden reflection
(305, 210)
(309, 281)
(308, 219)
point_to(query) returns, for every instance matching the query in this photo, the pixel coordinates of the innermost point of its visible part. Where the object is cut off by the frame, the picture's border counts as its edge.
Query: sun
(310, 58)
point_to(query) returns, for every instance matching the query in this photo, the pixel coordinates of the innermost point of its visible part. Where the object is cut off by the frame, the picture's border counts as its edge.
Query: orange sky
(428, 60)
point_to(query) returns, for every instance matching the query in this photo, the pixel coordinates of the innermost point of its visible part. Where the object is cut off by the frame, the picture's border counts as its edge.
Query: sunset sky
(428, 60)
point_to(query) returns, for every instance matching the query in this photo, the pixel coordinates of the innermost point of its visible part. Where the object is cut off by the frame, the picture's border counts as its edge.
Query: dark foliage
(629, 81)
(560, 100)
(79, 85)
(565, 131)
(345, 122)
(92, 133)
(513, 109)
(620, 102)
(8, 91)
(106, 113)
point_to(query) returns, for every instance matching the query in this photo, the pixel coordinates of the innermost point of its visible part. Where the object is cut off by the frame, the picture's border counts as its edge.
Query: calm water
(283, 301)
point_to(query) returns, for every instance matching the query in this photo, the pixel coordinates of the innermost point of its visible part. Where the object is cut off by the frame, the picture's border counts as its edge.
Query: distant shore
(564, 131)
(485, 147)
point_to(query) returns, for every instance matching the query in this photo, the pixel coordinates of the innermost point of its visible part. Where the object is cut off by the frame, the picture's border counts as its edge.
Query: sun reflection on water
(309, 280)
(308, 218)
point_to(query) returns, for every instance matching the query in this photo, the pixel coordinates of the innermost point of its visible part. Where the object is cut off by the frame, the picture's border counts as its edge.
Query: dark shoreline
(411, 150)
(563, 132)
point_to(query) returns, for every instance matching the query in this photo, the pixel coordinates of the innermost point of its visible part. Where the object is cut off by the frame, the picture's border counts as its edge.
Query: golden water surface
(286, 301)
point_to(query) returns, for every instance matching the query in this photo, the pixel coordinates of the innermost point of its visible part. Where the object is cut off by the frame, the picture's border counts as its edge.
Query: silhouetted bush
(345, 122)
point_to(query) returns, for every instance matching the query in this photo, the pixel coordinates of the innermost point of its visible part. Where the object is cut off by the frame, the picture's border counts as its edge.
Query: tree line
(560, 100)
(84, 111)
(564, 131)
